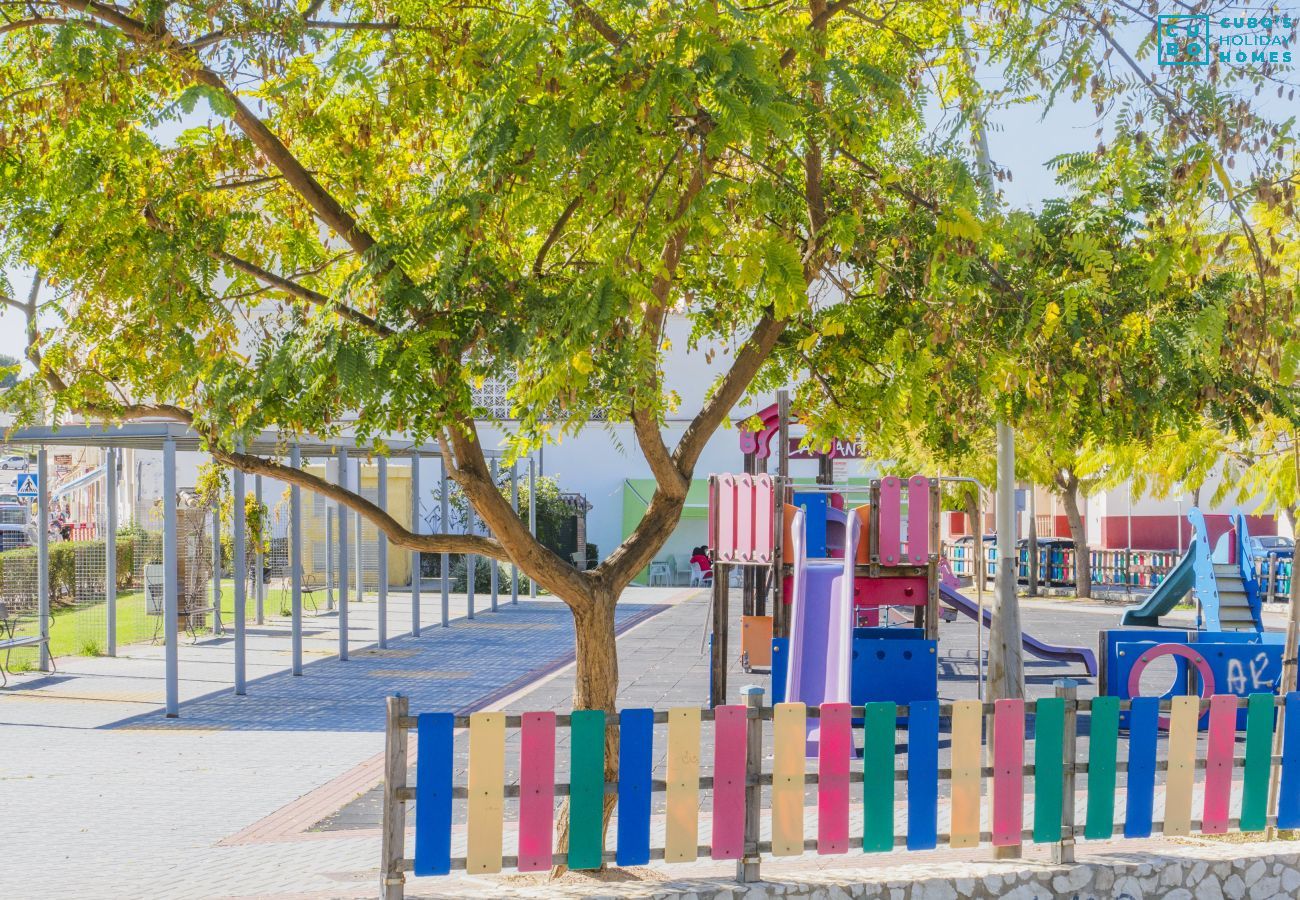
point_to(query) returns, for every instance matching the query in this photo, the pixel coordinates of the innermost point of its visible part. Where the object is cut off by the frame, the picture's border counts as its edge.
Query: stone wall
(1184, 869)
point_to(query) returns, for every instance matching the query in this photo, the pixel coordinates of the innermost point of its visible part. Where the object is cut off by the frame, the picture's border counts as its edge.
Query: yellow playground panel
(315, 544)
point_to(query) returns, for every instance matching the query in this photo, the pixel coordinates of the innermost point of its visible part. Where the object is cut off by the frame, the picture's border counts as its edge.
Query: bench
(10, 640)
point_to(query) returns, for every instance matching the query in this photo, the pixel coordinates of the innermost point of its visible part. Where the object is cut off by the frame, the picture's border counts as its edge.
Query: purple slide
(1032, 644)
(821, 627)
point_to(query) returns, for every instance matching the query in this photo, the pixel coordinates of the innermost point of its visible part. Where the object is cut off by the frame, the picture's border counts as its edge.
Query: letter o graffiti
(1188, 653)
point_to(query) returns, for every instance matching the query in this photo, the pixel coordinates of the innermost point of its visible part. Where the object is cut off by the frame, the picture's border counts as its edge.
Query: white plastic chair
(700, 578)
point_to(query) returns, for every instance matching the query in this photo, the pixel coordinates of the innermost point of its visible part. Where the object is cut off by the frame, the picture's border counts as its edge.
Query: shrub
(64, 587)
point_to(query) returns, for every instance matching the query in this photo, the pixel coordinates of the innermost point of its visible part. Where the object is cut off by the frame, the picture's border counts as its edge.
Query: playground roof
(150, 435)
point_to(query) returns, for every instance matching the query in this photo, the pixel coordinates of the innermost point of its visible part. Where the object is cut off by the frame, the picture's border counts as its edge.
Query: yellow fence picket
(966, 760)
(1182, 765)
(487, 767)
(789, 740)
(681, 841)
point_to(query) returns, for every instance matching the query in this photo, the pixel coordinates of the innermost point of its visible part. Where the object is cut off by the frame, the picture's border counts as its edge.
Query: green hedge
(63, 563)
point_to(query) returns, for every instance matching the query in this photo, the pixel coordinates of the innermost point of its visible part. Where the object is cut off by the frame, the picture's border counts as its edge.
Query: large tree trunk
(1068, 483)
(595, 686)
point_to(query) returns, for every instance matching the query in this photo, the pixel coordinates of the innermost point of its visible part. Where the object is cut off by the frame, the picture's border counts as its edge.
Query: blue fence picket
(1288, 807)
(922, 774)
(635, 761)
(433, 770)
(1143, 727)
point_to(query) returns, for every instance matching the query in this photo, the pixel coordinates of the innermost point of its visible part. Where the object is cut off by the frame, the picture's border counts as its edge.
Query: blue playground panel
(893, 664)
(814, 507)
(1242, 662)
(780, 660)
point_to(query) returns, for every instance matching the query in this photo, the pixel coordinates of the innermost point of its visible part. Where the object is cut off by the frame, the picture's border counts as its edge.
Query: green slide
(1165, 597)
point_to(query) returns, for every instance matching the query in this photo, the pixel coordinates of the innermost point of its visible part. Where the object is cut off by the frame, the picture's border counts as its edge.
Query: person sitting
(700, 557)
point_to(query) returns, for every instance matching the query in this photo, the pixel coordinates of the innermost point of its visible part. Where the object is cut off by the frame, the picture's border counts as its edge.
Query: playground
(841, 719)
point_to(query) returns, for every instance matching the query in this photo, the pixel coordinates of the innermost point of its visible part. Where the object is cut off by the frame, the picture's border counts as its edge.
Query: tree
(9, 367)
(319, 219)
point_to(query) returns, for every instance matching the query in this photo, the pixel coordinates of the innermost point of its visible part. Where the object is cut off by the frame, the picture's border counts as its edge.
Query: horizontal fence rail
(1142, 569)
(859, 758)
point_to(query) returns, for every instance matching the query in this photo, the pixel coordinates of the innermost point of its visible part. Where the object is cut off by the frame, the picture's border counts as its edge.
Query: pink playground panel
(741, 512)
(891, 521)
(918, 520)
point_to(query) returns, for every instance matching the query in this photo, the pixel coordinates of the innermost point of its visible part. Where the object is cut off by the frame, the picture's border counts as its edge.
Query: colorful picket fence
(988, 747)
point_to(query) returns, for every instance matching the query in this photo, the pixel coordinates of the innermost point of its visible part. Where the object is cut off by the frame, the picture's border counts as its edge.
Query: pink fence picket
(536, 790)
(1218, 764)
(728, 782)
(1008, 771)
(835, 749)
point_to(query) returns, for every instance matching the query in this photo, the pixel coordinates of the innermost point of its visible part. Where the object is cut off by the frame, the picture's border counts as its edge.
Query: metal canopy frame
(168, 438)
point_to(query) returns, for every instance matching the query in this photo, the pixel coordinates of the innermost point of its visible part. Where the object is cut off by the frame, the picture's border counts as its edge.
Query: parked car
(1269, 545)
(12, 537)
(15, 461)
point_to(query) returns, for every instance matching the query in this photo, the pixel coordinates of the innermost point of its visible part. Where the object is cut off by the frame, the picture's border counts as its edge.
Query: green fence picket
(879, 724)
(1259, 752)
(586, 788)
(1103, 739)
(1049, 769)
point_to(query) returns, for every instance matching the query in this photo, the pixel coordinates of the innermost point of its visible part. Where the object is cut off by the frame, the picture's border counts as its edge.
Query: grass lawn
(82, 630)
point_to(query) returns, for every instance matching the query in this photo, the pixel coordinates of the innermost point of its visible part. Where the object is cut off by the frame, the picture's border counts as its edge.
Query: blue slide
(1168, 593)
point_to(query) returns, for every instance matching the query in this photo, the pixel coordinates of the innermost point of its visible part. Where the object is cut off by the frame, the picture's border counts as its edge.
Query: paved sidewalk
(103, 796)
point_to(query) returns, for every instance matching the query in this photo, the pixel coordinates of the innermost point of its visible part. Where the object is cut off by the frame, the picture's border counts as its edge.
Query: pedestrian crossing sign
(28, 485)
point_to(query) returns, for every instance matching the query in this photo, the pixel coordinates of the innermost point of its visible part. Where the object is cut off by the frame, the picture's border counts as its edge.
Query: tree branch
(468, 466)
(294, 289)
(556, 230)
(585, 13)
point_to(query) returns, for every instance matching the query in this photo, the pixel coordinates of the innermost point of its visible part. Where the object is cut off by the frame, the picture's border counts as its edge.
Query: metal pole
(514, 504)
(343, 560)
(361, 586)
(1068, 690)
(110, 546)
(496, 566)
(295, 564)
(171, 617)
(1005, 662)
(259, 564)
(718, 643)
(747, 867)
(239, 540)
(532, 517)
(1006, 668)
(216, 567)
(415, 554)
(1033, 574)
(381, 553)
(329, 559)
(469, 566)
(43, 554)
(445, 562)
